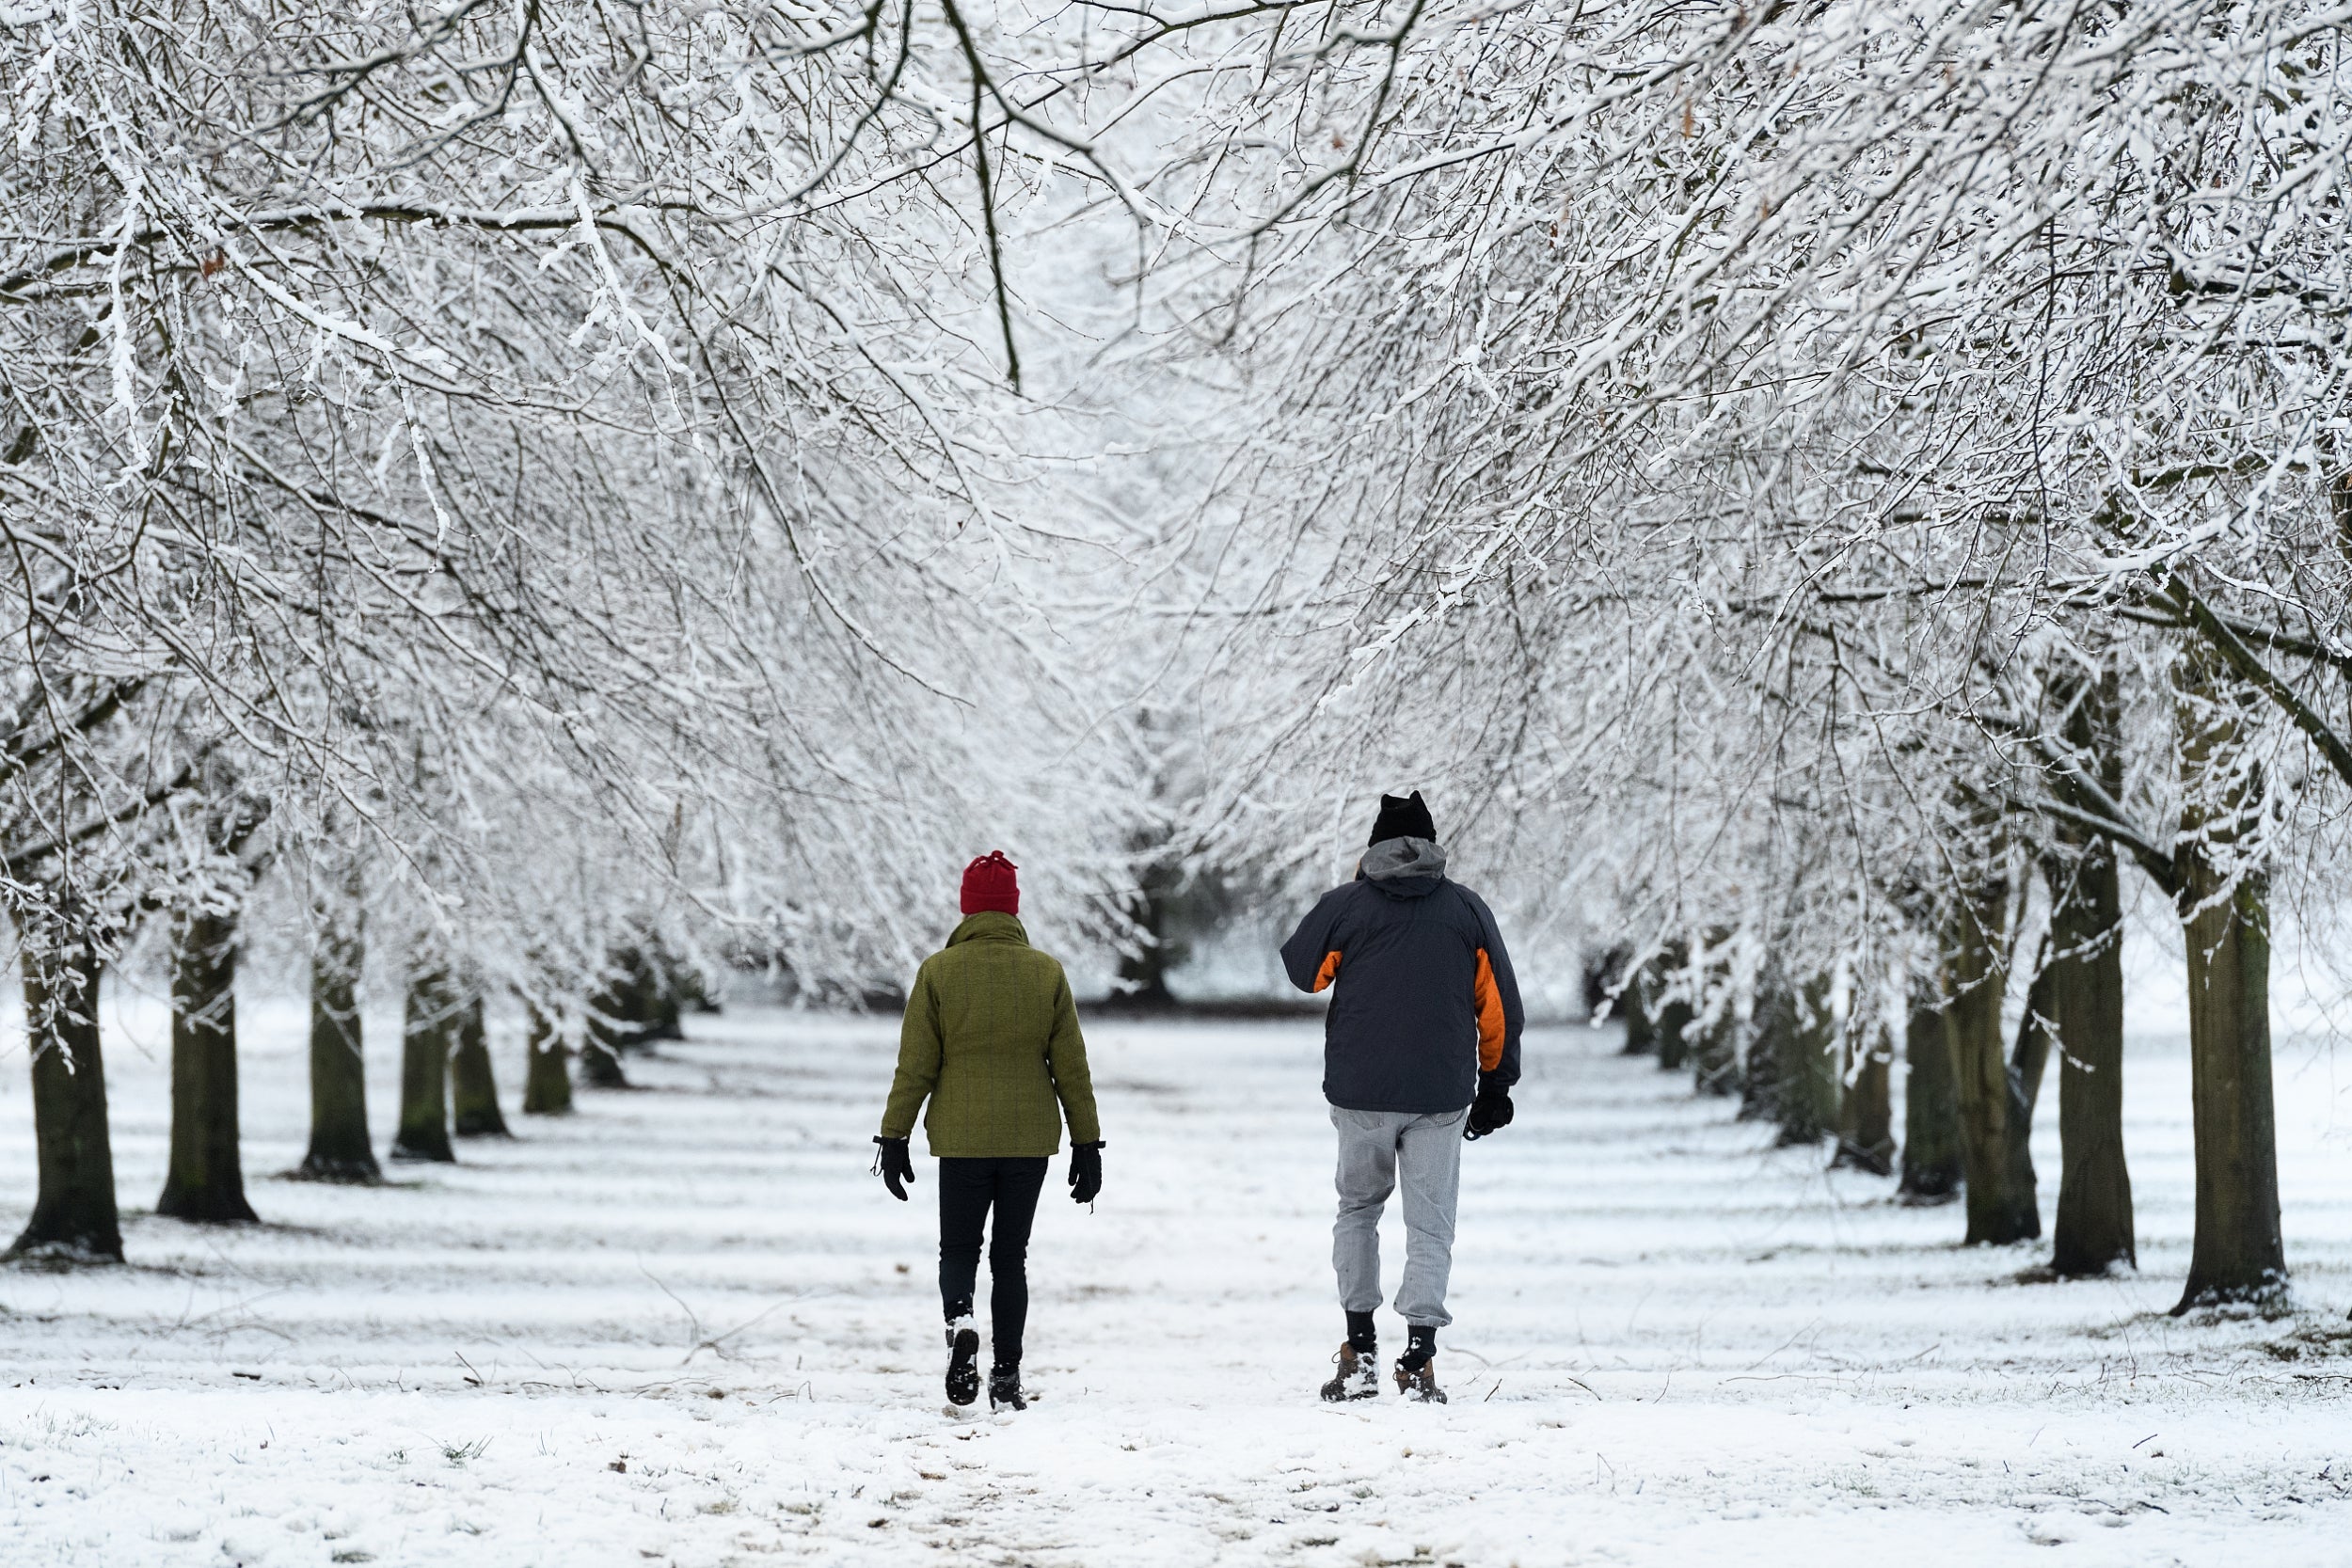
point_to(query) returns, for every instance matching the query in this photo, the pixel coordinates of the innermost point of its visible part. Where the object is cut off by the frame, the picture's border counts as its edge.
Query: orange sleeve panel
(1331, 971)
(1490, 1013)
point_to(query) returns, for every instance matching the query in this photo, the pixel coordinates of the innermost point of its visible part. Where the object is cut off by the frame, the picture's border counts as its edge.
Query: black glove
(1086, 1172)
(1490, 1111)
(893, 1166)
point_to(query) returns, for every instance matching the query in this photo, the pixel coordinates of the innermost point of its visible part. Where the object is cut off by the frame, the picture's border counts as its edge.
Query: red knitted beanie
(990, 883)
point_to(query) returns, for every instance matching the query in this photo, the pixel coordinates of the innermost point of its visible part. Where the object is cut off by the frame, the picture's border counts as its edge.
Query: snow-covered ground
(686, 1326)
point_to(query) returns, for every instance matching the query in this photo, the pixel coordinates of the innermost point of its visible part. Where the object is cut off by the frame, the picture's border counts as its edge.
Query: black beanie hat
(1403, 816)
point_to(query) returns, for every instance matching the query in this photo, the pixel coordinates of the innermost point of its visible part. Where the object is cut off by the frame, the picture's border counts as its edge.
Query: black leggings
(967, 1189)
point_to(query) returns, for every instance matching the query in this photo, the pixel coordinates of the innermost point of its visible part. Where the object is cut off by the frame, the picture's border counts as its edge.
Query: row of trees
(1826, 494)
(487, 491)
(1832, 491)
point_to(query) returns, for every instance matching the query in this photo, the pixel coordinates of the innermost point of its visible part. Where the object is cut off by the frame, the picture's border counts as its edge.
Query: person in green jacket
(991, 1039)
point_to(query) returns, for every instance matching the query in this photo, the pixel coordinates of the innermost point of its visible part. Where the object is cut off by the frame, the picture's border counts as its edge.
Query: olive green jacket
(991, 1039)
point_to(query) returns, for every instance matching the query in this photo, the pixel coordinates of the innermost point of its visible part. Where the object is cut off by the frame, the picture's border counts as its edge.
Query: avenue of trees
(1843, 487)
(1832, 499)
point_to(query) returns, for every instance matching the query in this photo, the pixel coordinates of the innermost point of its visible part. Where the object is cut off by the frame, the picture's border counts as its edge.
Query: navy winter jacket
(1425, 1001)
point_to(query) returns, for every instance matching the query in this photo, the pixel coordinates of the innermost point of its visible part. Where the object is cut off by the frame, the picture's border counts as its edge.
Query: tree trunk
(1715, 1054)
(1931, 1163)
(1976, 976)
(1675, 1021)
(600, 1057)
(339, 1149)
(2225, 909)
(2028, 1065)
(1143, 973)
(428, 1031)
(547, 1079)
(73, 1208)
(1865, 1131)
(1639, 1002)
(205, 1178)
(2238, 1253)
(1806, 1099)
(1641, 1028)
(2339, 501)
(638, 1001)
(475, 1091)
(2093, 1230)
(1767, 1055)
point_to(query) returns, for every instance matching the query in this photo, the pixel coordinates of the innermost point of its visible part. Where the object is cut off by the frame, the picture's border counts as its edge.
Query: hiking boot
(1419, 1384)
(1003, 1389)
(963, 1362)
(1359, 1376)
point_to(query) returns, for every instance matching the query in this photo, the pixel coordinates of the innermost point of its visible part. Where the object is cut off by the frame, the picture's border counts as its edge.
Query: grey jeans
(1377, 1150)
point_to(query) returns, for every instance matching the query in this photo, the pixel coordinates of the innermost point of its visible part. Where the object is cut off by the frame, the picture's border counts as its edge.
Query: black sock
(1420, 1345)
(1361, 1336)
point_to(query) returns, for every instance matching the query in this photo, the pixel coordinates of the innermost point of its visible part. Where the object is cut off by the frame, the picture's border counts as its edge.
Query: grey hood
(1403, 860)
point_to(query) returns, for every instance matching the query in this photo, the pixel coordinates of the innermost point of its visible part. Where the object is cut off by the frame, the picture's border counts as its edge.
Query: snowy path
(685, 1328)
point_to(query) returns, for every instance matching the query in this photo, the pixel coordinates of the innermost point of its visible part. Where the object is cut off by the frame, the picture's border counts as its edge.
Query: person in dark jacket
(1421, 1049)
(990, 1040)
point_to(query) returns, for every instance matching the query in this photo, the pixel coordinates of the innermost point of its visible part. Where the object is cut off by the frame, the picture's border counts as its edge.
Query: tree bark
(339, 1149)
(1672, 1020)
(1865, 1131)
(1768, 1051)
(2238, 1253)
(474, 1090)
(639, 1000)
(73, 1206)
(205, 1178)
(1806, 1099)
(2093, 1230)
(1932, 1170)
(2028, 1065)
(428, 1031)
(1639, 1002)
(1976, 976)
(1675, 1021)
(1142, 974)
(1641, 1028)
(600, 1057)
(1715, 1054)
(1713, 1044)
(548, 1079)
(2340, 503)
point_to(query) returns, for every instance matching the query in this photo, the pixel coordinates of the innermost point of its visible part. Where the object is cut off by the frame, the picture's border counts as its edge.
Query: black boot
(963, 1362)
(1417, 1369)
(1003, 1388)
